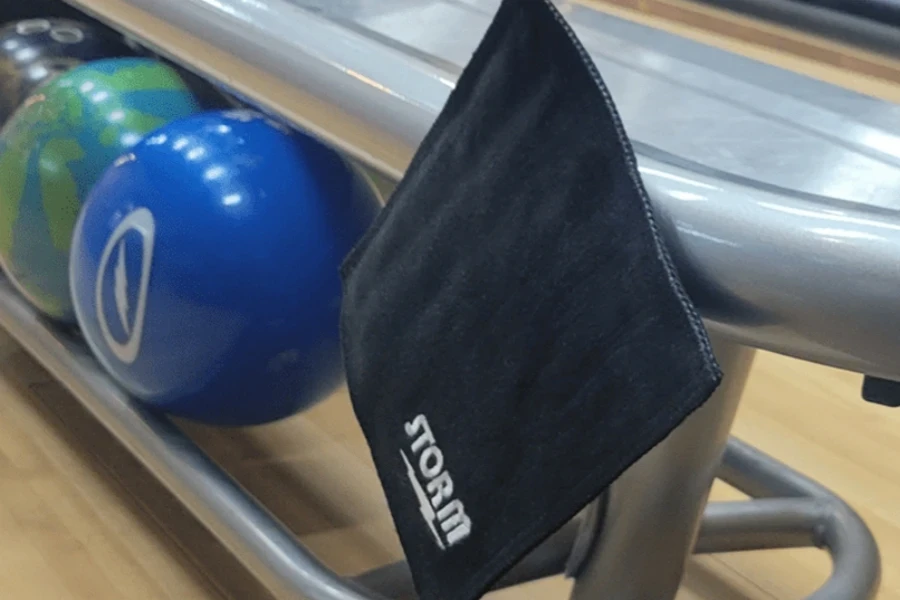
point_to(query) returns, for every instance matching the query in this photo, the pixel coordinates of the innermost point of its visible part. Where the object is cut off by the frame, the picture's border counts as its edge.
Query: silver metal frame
(741, 171)
(807, 515)
(653, 510)
(791, 511)
(722, 219)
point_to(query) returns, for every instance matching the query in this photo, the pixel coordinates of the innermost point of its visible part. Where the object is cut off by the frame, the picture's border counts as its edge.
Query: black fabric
(511, 322)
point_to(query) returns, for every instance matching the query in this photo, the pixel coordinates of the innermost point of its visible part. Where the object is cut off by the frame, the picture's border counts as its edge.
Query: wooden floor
(80, 519)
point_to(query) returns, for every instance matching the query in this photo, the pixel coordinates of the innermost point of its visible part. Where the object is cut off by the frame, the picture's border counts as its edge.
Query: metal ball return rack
(754, 173)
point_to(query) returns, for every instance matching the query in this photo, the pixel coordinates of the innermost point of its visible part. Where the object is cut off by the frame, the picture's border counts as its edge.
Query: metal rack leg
(794, 512)
(654, 509)
(791, 511)
(548, 559)
(658, 501)
(808, 515)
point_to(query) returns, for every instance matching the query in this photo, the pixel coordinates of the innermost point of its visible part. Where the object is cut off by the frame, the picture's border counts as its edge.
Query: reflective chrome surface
(654, 509)
(780, 193)
(266, 547)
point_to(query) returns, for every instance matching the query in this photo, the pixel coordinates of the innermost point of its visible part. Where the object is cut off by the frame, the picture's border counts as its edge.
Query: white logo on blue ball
(141, 222)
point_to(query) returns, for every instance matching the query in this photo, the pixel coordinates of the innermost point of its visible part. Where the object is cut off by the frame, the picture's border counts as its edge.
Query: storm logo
(442, 511)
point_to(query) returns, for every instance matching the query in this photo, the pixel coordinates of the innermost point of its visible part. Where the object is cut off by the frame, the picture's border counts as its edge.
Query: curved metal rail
(820, 198)
(793, 512)
(812, 517)
(247, 529)
(729, 220)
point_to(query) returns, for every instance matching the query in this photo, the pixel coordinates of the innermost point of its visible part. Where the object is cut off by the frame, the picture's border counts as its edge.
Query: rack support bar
(251, 533)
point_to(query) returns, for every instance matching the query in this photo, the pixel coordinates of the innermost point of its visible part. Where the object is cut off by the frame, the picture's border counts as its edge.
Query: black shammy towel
(515, 335)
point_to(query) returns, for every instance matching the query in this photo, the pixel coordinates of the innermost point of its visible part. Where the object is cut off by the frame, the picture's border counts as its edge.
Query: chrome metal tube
(804, 505)
(548, 559)
(796, 522)
(761, 476)
(856, 574)
(759, 524)
(729, 207)
(655, 508)
(253, 535)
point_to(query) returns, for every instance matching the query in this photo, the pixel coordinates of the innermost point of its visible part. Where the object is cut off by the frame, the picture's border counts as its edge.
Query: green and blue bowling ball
(205, 267)
(53, 150)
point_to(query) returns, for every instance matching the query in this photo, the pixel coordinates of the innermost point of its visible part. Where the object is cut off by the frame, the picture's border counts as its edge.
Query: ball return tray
(778, 197)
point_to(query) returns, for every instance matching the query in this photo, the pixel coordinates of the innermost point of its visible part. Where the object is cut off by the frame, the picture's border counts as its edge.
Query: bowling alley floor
(81, 519)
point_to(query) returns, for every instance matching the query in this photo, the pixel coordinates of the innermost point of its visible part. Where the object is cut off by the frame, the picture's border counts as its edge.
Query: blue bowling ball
(205, 267)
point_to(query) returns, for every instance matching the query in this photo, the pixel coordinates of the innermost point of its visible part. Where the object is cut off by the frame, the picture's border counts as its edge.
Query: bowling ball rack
(749, 224)
(794, 512)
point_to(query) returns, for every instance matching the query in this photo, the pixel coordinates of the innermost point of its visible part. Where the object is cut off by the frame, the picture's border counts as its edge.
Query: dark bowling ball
(205, 267)
(18, 10)
(35, 51)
